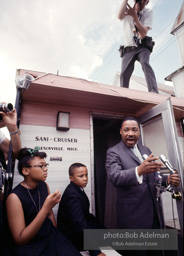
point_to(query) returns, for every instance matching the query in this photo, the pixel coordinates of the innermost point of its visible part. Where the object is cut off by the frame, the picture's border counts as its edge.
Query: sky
(78, 39)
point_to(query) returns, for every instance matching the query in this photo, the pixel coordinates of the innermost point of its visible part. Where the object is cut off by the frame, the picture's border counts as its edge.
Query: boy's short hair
(73, 167)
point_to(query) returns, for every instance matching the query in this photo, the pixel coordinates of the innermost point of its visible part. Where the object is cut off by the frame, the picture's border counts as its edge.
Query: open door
(158, 132)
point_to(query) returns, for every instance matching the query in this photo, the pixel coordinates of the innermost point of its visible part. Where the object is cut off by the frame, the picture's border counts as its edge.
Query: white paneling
(180, 41)
(178, 80)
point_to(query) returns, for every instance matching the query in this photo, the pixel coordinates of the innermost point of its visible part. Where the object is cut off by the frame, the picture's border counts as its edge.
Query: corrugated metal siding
(45, 115)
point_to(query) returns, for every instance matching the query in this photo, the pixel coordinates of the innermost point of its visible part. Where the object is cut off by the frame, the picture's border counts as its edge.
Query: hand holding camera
(4, 108)
(8, 116)
(130, 11)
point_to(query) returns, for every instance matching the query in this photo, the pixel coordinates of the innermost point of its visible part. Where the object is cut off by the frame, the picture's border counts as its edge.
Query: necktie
(139, 156)
(137, 153)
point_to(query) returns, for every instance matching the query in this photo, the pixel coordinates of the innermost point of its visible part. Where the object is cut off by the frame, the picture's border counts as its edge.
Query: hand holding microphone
(173, 178)
(149, 165)
(158, 179)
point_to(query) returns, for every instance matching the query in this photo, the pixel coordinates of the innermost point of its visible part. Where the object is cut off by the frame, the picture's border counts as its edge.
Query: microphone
(158, 179)
(167, 164)
(170, 187)
(145, 156)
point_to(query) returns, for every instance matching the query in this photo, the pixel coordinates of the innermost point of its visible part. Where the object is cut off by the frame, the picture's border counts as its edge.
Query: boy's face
(80, 177)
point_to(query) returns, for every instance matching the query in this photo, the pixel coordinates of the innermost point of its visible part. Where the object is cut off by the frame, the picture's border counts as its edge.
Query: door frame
(165, 110)
(92, 115)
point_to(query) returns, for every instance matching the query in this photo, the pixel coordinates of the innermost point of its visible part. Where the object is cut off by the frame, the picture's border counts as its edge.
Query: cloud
(73, 37)
(70, 36)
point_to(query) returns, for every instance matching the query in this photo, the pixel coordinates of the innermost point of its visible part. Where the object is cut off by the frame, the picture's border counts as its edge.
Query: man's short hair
(73, 167)
(129, 118)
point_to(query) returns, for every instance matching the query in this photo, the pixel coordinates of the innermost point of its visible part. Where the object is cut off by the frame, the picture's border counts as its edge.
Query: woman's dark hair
(25, 156)
(73, 167)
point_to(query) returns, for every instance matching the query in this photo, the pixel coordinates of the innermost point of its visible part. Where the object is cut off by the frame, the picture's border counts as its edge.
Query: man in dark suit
(137, 204)
(73, 213)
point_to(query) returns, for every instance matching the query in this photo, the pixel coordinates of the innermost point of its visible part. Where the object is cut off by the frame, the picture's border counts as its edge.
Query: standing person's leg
(127, 67)
(143, 57)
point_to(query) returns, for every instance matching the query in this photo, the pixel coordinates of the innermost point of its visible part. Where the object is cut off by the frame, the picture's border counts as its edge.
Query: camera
(2, 176)
(6, 179)
(138, 1)
(5, 107)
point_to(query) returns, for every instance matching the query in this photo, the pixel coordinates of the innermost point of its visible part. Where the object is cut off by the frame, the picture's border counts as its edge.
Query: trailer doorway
(106, 133)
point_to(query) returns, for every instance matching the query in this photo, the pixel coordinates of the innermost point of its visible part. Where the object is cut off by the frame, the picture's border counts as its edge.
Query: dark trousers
(142, 55)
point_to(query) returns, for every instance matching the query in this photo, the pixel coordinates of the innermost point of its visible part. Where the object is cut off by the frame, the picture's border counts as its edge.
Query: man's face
(140, 5)
(130, 133)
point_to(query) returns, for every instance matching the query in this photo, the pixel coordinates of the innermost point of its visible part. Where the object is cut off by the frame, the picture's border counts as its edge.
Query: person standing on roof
(137, 21)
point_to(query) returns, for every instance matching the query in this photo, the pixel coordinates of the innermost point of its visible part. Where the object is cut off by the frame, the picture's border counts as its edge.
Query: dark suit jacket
(74, 216)
(136, 203)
